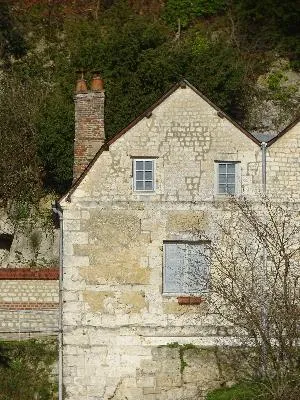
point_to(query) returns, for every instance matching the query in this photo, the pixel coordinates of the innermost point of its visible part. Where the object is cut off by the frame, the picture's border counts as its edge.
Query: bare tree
(255, 267)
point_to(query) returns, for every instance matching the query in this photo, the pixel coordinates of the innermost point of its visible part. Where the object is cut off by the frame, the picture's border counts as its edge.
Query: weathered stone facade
(283, 165)
(124, 338)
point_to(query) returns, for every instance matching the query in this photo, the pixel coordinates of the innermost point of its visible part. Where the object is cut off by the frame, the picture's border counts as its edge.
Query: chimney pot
(81, 86)
(97, 84)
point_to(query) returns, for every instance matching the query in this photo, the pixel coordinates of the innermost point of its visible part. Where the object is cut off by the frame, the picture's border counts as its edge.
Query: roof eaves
(284, 131)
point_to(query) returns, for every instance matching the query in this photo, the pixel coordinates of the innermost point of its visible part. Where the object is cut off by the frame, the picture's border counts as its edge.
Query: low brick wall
(28, 302)
(29, 273)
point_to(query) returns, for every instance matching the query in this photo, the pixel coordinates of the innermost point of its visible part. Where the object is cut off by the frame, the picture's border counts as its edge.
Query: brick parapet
(29, 274)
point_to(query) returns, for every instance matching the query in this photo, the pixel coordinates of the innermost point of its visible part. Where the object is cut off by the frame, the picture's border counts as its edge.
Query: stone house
(131, 313)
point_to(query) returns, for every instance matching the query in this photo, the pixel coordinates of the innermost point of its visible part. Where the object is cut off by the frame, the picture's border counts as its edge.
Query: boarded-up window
(185, 267)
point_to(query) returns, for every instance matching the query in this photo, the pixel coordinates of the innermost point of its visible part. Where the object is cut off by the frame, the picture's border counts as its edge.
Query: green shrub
(241, 391)
(26, 370)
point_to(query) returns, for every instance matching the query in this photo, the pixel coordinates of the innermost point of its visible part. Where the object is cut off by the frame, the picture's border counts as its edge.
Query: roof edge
(284, 131)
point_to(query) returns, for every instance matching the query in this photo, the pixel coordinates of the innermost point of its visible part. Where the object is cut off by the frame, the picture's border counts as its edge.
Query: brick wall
(89, 128)
(28, 302)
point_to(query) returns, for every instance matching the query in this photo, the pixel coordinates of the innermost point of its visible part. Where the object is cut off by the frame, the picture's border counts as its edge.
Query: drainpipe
(57, 210)
(264, 309)
(264, 169)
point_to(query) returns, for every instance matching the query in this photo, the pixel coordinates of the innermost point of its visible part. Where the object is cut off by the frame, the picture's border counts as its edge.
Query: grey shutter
(196, 268)
(174, 267)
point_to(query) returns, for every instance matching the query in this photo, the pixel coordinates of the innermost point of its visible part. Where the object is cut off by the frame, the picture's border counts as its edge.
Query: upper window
(226, 177)
(143, 175)
(186, 268)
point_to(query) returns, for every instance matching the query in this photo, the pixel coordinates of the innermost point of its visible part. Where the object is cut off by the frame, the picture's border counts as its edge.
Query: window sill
(225, 196)
(143, 192)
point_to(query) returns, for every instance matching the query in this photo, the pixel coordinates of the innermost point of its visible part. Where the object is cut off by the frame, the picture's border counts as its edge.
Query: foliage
(19, 167)
(241, 391)
(187, 10)
(140, 63)
(55, 126)
(269, 25)
(26, 373)
(12, 42)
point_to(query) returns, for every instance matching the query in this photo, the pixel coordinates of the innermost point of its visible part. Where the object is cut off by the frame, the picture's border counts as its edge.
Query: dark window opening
(6, 241)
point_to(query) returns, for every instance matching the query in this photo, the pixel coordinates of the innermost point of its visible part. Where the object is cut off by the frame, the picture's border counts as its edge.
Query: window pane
(139, 175)
(231, 189)
(148, 175)
(222, 178)
(231, 178)
(139, 165)
(148, 165)
(148, 185)
(139, 185)
(231, 168)
(222, 168)
(222, 188)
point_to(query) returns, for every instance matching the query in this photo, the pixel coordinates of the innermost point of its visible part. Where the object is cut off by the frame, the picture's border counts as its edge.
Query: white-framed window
(227, 172)
(143, 175)
(186, 267)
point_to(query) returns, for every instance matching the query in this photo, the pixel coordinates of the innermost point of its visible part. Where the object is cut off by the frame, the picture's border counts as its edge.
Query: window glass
(148, 185)
(139, 185)
(226, 178)
(143, 175)
(230, 168)
(139, 165)
(148, 175)
(148, 165)
(139, 175)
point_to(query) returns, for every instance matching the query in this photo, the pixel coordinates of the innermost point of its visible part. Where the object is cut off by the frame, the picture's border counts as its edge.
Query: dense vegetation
(141, 48)
(27, 370)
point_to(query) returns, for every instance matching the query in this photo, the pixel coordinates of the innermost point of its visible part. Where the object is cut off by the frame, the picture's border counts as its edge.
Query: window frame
(236, 177)
(134, 180)
(183, 292)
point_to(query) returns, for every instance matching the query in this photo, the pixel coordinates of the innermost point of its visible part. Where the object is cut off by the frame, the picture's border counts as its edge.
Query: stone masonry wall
(283, 167)
(28, 302)
(120, 330)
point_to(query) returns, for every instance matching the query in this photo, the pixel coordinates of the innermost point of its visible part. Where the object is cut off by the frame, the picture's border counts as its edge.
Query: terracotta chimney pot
(81, 86)
(97, 84)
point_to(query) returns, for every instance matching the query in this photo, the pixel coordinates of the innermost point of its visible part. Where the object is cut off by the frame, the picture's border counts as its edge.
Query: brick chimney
(89, 122)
